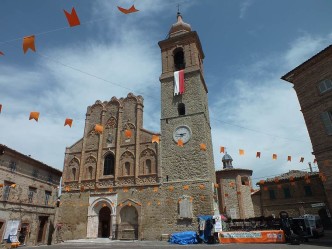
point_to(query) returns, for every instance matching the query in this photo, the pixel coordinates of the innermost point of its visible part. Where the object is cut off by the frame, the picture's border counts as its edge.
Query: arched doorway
(128, 223)
(104, 227)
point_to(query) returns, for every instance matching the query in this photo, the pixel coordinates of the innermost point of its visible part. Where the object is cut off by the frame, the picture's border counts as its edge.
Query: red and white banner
(178, 82)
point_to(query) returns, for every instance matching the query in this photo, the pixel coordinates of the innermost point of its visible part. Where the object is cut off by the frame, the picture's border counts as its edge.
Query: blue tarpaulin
(183, 238)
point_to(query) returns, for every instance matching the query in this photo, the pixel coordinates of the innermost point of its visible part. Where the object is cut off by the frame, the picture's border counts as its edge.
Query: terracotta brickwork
(296, 192)
(306, 79)
(235, 193)
(28, 194)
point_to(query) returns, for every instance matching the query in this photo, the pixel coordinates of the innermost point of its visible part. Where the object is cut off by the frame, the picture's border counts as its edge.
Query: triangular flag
(301, 159)
(1, 53)
(29, 42)
(99, 128)
(128, 133)
(155, 139)
(222, 149)
(13, 185)
(0, 108)
(241, 152)
(180, 142)
(34, 115)
(132, 9)
(202, 147)
(274, 156)
(72, 18)
(289, 158)
(258, 154)
(68, 121)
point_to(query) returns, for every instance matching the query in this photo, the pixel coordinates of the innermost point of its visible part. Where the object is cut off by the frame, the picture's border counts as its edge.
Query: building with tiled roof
(296, 192)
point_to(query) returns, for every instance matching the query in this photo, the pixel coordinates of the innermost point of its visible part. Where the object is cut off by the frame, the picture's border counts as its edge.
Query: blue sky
(248, 45)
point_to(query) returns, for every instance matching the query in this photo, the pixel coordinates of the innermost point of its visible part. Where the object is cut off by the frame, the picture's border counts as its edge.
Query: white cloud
(269, 110)
(244, 6)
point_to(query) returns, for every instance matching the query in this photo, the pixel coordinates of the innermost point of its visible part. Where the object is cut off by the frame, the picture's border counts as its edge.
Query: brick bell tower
(186, 116)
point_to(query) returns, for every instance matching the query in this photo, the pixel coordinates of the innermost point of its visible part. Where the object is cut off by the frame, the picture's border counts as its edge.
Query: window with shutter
(325, 85)
(327, 120)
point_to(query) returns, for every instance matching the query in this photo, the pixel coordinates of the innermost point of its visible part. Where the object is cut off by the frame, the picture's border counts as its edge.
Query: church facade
(125, 182)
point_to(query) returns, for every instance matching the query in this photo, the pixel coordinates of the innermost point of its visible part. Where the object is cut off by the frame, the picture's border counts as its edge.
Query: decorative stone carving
(128, 126)
(127, 155)
(145, 180)
(111, 123)
(126, 181)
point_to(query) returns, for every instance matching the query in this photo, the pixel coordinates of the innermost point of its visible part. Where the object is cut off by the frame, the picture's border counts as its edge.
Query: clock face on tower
(182, 132)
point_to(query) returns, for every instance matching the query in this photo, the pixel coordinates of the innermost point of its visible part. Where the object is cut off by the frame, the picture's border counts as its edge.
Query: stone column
(113, 226)
(86, 130)
(99, 167)
(118, 143)
(139, 124)
(92, 228)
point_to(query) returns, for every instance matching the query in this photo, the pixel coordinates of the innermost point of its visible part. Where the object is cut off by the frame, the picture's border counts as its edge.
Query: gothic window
(181, 109)
(90, 172)
(179, 63)
(148, 167)
(73, 170)
(127, 169)
(109, 165)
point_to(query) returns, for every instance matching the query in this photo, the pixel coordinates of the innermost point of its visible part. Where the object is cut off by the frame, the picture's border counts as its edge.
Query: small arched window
(127, 169)
(181, 109)
(179, 63)
(148, 167)
(109, 165)
(73, 170)
(90, 172)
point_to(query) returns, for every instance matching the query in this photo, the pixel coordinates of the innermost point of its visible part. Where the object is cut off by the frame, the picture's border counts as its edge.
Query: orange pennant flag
(72, 18)
(13, 185)
(301, 159)
(1, 53)
(202, 147)
(34, 115)
(186, 187)
(128, 133)
(132, 9)
(68, 121)
(274, 156)
(155, 139)
(289, 158)
(125, 190)
(170, 188)
(222, 149)
(258, 154)
(155, 189)
(261, 182)
(180, 142)
(0, 108)
(67, 188)
(201, 186)
(29, 42)
(99, 128)
(241, 152)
